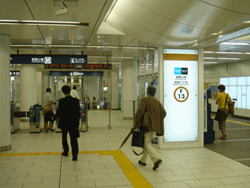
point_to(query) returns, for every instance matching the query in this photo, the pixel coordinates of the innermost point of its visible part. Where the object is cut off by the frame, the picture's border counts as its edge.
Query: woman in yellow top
(223, 109)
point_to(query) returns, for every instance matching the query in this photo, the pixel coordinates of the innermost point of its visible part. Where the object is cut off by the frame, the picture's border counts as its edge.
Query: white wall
(213, 73)
(227, 70)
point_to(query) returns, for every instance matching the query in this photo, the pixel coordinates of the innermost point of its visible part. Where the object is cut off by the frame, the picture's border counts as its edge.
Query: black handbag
(138, 138)
(48, 116)
(219, 114)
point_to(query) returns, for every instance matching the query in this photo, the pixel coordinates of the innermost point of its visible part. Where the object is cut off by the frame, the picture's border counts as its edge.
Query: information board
(14, 73)
(47, 59)
(181, 95)
(78, 66)
(68, 73)
(97, 66)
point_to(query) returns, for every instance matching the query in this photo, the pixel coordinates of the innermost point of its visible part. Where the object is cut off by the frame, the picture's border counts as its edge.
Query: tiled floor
(181, 168)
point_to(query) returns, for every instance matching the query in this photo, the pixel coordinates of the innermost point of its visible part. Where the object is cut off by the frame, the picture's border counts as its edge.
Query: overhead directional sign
(48, 59)
(67, 73)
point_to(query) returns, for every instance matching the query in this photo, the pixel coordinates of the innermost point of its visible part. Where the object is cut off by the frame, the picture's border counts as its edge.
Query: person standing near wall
(222, 101)
(156, 113)
(47, 108)
(74, 93)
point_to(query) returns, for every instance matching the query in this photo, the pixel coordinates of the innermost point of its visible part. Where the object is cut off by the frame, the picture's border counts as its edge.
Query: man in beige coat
(157, 113)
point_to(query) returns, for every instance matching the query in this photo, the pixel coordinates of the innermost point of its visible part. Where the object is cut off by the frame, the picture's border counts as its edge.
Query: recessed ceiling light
(209, 58)
(42, 22)
(208, 52)
(229, 52)
(227, 58)
(211, 62)
(215, 34)
(234, 43)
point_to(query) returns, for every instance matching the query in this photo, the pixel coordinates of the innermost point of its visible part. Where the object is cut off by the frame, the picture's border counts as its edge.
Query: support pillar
(28, 86)
(160, 75)
(129, 88)
(5, 135)
(114, 98)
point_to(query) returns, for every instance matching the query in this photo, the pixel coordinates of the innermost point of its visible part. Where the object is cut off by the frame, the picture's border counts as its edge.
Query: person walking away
(69, 114)
(74, 93)
(47, 108)
(94, 103)
(156, 114)
(222, 101)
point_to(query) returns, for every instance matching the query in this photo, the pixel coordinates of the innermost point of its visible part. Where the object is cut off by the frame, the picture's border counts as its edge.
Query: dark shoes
(141, 163)
(64, 154)
(51, 129)
(156, 165)
(223, 138)
(74, 158)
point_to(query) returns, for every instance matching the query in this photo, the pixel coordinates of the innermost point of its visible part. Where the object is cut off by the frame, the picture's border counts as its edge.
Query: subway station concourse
(110, 52)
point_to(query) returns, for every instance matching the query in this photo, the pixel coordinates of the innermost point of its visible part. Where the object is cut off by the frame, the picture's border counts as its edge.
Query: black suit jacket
(68, 112)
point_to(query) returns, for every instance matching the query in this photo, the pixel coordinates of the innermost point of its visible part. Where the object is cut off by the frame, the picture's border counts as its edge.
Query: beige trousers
(148, 149)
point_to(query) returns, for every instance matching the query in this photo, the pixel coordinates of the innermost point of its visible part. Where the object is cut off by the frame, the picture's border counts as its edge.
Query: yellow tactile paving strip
(237, 122)
(133, 175)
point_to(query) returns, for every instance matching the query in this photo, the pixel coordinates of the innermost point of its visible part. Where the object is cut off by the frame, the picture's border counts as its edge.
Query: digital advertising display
(181, 95)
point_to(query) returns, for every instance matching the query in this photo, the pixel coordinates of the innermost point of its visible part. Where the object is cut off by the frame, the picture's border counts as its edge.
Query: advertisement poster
(181, 95)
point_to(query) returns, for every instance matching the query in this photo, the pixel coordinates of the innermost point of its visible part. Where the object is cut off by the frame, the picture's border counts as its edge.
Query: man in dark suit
(69, 114)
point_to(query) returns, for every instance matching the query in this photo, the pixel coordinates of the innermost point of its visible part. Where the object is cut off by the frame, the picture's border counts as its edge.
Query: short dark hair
(48, 89)
(151, 90)
(66, 89)
(74, 87)
(222, 87)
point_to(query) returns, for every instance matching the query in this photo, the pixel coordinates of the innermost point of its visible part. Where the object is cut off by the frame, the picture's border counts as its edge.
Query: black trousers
(73, 141)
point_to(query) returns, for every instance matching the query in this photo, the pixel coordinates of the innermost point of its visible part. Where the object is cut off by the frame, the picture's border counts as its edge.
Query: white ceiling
(128, 23)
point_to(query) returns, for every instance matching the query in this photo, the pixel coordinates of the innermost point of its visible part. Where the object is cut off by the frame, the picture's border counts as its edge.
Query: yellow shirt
(222, 97)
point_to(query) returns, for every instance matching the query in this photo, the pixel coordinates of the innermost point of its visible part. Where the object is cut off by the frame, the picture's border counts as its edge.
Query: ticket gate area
(84, 117)
(35, 114)
(35, 118)
(83, 122)
(15, 115)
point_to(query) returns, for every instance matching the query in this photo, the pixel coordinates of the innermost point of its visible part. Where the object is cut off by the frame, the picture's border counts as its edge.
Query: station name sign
(48, 59)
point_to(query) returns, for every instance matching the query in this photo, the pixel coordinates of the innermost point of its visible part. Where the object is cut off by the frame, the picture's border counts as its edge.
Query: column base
(5, 148)
(127, 118)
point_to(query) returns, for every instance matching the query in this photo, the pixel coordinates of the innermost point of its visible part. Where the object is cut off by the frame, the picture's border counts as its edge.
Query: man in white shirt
(74, 93)
(47, 107)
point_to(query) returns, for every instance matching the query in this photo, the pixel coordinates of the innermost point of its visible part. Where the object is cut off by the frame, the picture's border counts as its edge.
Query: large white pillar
(160, 75)
(28, 87)
(129, 88)
(201, 96)
(5, 138)
(114, 96)
(40, 87)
